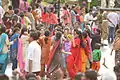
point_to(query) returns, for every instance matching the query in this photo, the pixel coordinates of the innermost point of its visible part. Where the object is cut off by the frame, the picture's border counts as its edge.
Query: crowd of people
(46, 46)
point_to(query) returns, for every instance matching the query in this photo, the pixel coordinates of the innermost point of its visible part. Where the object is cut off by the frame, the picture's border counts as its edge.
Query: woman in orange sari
(74, 61)
(85, 51)
(45, 42)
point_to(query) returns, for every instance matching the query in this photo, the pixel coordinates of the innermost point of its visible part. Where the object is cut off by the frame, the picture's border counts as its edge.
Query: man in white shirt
(113, 20)
(33, 63)
(88, 18)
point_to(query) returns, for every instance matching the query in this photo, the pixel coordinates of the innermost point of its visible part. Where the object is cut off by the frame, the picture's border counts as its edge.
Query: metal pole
(88, 6)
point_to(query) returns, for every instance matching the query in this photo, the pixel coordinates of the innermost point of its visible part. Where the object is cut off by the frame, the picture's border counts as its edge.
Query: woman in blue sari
(4, 43)
(14, 48)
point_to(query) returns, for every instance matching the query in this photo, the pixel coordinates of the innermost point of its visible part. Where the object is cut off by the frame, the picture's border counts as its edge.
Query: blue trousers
(14, 64)
(111, 34)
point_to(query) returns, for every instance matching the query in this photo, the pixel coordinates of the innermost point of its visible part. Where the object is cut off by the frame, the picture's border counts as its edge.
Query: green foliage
(62, 1)
(95, 3)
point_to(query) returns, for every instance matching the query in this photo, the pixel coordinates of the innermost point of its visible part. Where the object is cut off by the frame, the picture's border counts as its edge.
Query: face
(66, 32)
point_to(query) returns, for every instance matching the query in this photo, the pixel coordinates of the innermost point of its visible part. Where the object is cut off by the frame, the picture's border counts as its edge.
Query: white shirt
(88, 18)
(34, 54)
(114, 18)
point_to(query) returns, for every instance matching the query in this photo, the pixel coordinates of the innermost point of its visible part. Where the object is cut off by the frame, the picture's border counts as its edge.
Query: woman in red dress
(74, 62)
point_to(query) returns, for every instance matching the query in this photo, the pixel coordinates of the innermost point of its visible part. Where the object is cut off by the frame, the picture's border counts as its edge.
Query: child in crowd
(96, 57)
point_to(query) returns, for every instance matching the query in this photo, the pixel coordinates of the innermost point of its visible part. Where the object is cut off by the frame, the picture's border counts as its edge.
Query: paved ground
(105, 54)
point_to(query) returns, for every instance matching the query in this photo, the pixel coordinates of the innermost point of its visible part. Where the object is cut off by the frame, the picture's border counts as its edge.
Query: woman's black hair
(34, 35)
(47, 33)
(16, 29)
(37, 5)
(64, 8)
(78, 32)
(16, 11)
(45, 10)
(22, 14)
(2, 29)
(29, 9)
(24, 29)
(58, 35)
(84, 34)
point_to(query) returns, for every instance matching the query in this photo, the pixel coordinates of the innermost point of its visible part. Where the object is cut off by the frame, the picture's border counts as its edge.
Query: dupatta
(20, 55)
(2, 42)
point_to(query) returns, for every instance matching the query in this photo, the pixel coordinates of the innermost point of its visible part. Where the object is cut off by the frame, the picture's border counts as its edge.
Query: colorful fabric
(3, 56)
(74, 61)
(19, 55)
(96, 55)
(84, 59)
(96, 66)
(23, 6)
(14, 46)
(52, 52)
(2, 42)
(67, 46)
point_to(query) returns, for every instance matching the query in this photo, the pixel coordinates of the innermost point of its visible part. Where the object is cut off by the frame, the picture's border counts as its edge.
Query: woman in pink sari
(22, 48)
(23, 5)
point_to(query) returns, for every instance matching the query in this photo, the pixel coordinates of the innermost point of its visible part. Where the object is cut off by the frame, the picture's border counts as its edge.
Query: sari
(74, 62)
(22, 51)
(14, 50)
(3, 53)
(84, 60)
(55, 62)
(45, 52)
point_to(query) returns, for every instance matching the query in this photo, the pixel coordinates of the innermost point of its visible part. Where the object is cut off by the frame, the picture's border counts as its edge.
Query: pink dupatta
(20, 56)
